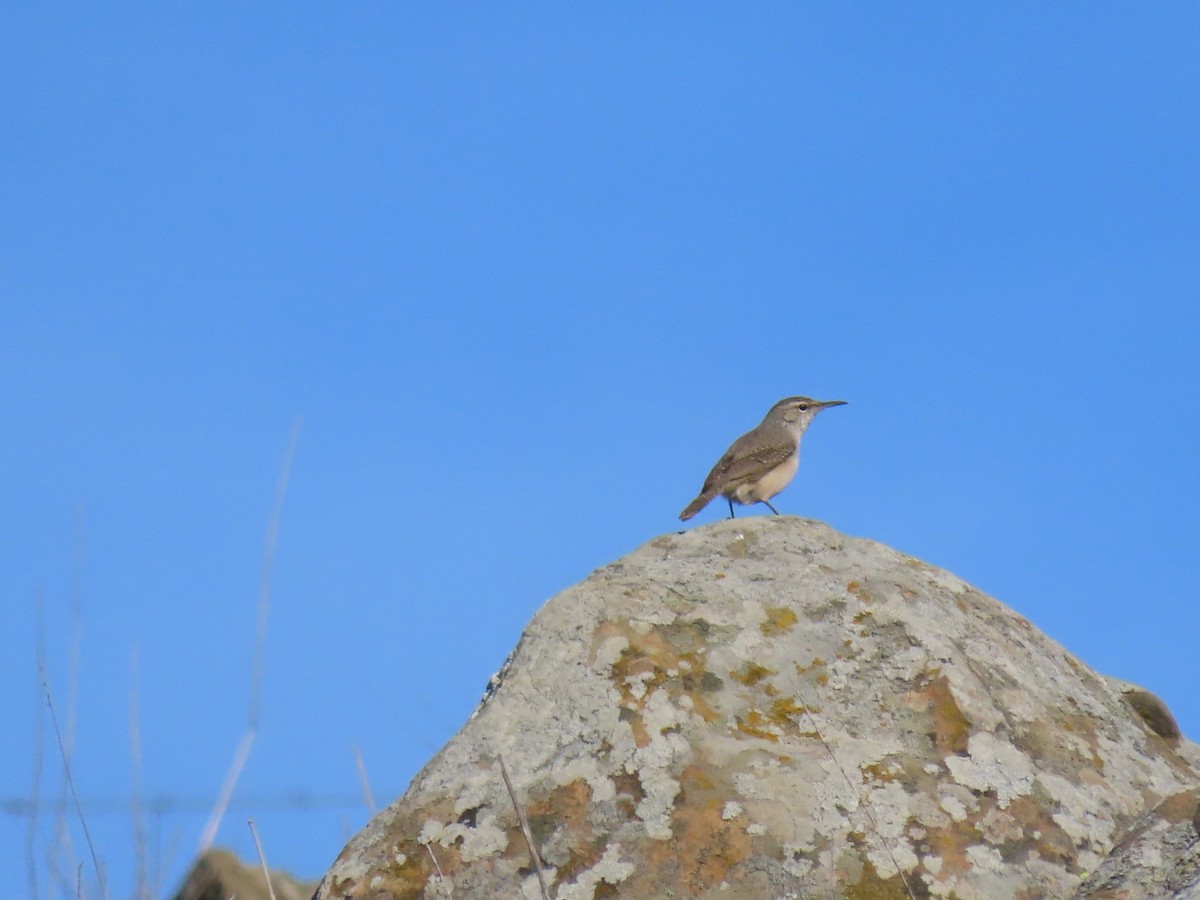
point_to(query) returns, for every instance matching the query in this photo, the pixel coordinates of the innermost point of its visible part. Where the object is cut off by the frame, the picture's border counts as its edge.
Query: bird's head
(797, 412)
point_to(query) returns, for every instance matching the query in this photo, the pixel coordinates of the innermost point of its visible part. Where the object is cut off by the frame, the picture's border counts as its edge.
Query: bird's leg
(730, 502)
(771, 508)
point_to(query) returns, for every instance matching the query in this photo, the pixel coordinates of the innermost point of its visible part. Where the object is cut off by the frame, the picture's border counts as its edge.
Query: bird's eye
(803, 407)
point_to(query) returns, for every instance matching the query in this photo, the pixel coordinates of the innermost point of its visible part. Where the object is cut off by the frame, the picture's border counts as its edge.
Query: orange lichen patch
(786, 710)
(560, 819)
(751, 674)
(405, 869)
(407, 879)
(858, 590)
(755, 724)
(705, 848)
(670, 657)
(782, 717)
(815, 671)
(780, 619)
(880, 772)
(949, 728)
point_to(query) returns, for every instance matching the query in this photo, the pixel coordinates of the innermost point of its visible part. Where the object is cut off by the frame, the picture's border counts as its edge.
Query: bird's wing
(742, 462)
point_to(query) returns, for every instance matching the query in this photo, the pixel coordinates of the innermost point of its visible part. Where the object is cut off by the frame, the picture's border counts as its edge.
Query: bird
(762, 462)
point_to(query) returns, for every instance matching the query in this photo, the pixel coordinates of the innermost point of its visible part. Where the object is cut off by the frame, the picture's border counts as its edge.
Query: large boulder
(766, 708)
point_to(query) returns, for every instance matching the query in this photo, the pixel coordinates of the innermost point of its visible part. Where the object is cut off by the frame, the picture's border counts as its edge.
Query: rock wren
(761, 462)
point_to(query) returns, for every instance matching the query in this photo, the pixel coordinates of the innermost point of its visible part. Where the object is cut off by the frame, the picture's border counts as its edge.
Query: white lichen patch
(841, 673)
(430, 831)
(953, 806)
(1082, 812)
(756, 828)
(992, 764)
(731, 810)
(637, 684)
(886, 855)
(588, 769)
(609, 652)
(984, 857)
(794, 860)
(653, 763)
(468, 799)
(609, 869)
(484, 839)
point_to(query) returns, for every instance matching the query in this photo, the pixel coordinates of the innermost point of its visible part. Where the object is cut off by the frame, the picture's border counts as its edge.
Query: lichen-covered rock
(1158, 857)
(765, 708)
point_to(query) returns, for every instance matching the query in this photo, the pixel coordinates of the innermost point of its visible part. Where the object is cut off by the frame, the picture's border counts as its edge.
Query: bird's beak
(825, 404)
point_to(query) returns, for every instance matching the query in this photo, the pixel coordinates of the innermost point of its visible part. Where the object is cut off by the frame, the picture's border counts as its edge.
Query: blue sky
(522, 274)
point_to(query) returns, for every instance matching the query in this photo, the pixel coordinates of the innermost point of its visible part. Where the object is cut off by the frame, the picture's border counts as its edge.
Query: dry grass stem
(140, 848)
(39, 726)
(260, 639)
(362, 779)
(533, 853)
(268, 567)
(442, 883)
(866, 808)
(71, 785)
(240, 755)
(61, 853)
(262, 860)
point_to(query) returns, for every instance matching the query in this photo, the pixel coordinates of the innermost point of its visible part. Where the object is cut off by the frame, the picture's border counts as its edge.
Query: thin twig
(866, 807)
(362, 778)
(240, 755)
(71, 784)
(537, 861)
(39, 725)
(441, 878)
(262, 860)
(141, 884)
(268, 566)
(62, 851)
(260, 638)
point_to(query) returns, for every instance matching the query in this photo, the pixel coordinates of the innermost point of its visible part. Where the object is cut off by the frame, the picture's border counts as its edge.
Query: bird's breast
(771, 483)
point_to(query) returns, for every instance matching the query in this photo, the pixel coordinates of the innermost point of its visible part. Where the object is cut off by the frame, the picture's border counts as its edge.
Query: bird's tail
(696, 505)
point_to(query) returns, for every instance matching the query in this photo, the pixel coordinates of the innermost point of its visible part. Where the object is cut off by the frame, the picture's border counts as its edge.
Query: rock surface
(765, 708)
(219, 875)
